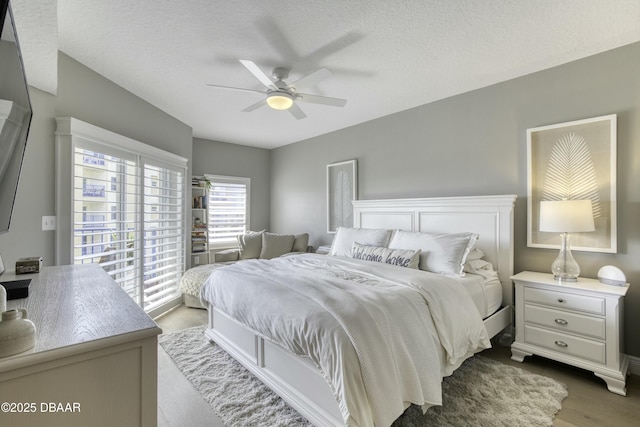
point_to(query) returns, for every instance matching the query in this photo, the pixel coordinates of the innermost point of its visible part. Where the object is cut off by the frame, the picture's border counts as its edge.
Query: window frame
(72, 133)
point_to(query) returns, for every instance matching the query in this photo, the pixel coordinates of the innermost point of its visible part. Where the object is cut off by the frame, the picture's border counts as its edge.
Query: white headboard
(491, 217)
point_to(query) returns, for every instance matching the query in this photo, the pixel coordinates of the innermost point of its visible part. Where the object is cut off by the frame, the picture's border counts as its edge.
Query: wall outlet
(48, 223)
(196, 260)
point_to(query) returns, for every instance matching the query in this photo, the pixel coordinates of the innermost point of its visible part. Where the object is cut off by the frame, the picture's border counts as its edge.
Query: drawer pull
(560, 299)
(561, 344)
(561, 322)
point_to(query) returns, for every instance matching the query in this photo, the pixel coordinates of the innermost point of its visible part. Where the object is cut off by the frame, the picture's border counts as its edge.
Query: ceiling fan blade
(311, 79)
(297, 112)
(263, 92)
(257, 72)
(254, 106)
(324, 100)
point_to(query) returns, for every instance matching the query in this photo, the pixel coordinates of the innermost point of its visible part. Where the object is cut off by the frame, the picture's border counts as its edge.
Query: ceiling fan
(283, 96)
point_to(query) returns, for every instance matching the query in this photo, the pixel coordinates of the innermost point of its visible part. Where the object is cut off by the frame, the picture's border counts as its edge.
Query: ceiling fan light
(279, 100)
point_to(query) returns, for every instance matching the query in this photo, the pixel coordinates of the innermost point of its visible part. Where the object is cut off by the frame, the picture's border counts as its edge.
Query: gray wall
(220, 158)
(474, 144)
(85, 95)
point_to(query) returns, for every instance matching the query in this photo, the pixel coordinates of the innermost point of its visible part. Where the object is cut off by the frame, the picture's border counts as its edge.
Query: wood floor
(589, 402)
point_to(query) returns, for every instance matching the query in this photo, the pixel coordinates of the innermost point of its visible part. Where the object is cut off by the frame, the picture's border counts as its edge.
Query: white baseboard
(634, 365)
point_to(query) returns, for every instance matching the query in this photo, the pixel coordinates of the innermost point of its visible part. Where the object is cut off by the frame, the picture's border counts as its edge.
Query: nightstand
(578, 323)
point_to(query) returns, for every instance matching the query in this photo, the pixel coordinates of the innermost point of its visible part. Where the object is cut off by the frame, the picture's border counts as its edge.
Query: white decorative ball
(611, 275)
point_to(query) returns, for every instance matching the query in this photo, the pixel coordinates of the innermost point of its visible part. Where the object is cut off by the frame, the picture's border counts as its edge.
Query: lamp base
(565, 268)
(565, 279)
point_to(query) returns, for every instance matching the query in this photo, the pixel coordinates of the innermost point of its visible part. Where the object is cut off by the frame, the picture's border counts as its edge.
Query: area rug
(482, 392)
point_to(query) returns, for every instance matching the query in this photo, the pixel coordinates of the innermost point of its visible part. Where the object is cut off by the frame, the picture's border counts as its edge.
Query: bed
(316, 374)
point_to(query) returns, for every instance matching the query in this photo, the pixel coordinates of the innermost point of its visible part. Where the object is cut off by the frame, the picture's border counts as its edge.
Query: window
(228, 209)
(163, 233)
(134, 226)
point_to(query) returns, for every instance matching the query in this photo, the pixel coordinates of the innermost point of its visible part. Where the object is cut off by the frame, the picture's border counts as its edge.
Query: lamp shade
(279, 100)
(566, 216)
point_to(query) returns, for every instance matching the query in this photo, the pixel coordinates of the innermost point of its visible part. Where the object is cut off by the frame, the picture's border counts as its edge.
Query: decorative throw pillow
(440, 252)
(399, 257)
(300, 242)
(250, 245)
(275, 245)
(346, 237)
(369, 253)
(404, 258)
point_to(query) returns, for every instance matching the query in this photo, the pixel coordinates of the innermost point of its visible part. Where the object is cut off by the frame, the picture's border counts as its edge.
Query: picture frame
(574, 160)
(342, 189)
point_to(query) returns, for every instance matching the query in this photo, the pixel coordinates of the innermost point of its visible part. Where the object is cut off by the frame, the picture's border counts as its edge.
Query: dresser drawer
(567, 344)
(565, 321)
(565, 300)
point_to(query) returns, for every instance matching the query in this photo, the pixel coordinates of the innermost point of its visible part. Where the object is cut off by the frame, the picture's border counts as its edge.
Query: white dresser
(95, 361)
(578, 323)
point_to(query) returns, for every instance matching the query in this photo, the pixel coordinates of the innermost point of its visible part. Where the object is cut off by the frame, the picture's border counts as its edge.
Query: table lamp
(566, 216)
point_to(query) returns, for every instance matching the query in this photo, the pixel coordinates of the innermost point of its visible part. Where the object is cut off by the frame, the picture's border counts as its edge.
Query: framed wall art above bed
(342, 189)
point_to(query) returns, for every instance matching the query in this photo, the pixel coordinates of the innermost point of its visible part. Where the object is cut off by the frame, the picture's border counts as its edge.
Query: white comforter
(383, 336)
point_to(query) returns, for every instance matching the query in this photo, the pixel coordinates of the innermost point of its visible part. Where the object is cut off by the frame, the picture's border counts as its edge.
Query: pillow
(399, 257)
(440, 252)
(346, 237)
(300, 242)
(478, 266)
(475, 253)
(250, 244)
(369, 253)
(404, 258)
(274, 245)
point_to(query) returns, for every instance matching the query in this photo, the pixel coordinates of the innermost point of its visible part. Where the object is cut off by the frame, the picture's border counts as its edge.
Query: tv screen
(15, 114)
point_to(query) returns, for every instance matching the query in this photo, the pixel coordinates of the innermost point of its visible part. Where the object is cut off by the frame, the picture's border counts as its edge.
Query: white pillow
(478, 266)
(475, 253)
(399, 257)
(440, 252)
(346, 237)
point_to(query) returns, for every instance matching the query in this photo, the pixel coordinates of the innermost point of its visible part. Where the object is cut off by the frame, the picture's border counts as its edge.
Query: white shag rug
(482, 392)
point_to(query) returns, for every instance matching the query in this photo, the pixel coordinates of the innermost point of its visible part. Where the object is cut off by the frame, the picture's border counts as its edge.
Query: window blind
(228, 213)
(105, 228)
(129, 218)
(163, 234)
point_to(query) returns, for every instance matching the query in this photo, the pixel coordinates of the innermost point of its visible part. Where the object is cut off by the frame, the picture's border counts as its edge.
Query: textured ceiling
(38, 37)
(386, 56)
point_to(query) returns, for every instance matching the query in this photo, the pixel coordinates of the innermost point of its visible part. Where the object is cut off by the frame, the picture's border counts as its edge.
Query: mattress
(486, 292)
(484, 286)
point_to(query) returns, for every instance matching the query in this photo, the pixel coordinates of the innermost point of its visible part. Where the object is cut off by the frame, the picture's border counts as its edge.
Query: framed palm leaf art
(342, 189)
(574, 161)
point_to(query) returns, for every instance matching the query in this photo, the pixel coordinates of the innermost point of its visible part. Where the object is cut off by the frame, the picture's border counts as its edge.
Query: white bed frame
(296, 379)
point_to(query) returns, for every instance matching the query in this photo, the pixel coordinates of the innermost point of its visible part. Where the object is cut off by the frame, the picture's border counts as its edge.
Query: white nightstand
(578, 323)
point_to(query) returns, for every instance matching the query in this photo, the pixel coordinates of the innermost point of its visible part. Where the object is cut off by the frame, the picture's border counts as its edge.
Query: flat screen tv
(15, 114)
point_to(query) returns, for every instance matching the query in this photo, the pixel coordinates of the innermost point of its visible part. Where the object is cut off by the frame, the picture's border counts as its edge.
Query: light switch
(48, 223)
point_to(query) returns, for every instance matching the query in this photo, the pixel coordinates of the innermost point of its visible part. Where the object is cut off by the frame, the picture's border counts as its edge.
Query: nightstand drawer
(565, 321)
(565, 300)
(562, 343)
